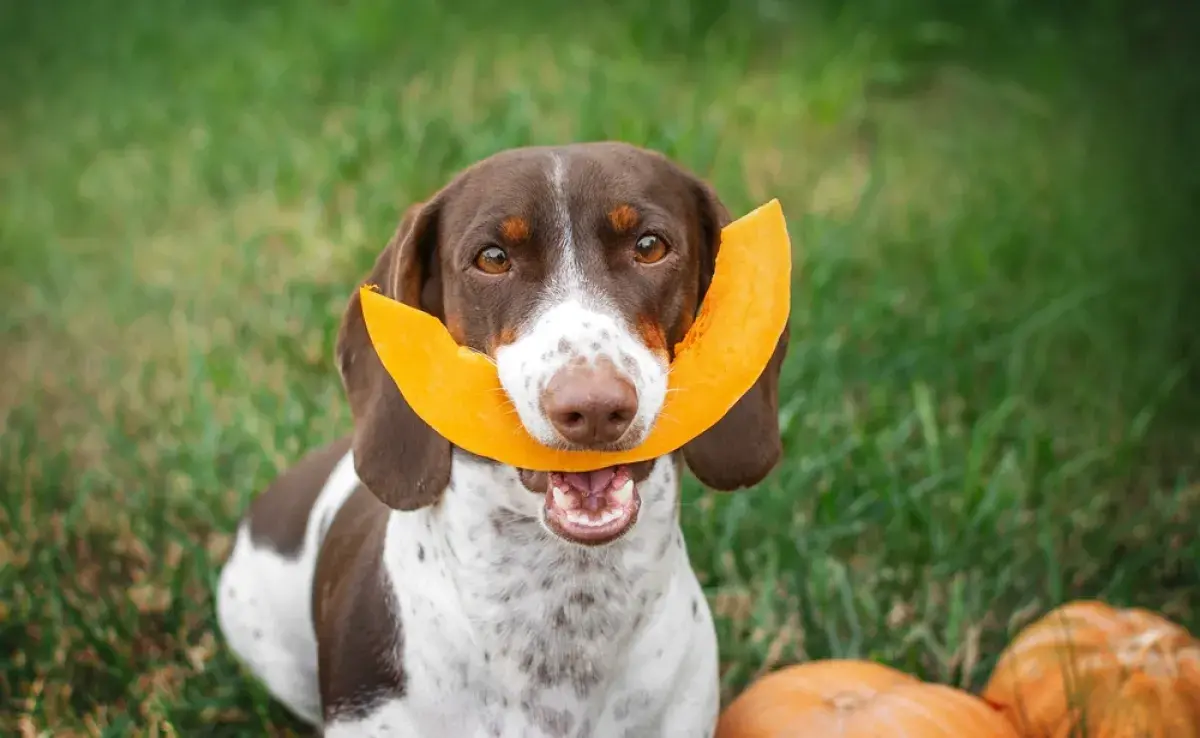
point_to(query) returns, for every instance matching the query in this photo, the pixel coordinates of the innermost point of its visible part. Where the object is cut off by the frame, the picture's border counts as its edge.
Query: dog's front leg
(694, 704)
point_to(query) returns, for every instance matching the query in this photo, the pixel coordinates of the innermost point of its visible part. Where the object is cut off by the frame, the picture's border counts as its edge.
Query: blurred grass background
(991, 400)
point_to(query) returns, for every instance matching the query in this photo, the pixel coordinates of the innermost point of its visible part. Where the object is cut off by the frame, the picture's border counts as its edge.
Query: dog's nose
(590, 404)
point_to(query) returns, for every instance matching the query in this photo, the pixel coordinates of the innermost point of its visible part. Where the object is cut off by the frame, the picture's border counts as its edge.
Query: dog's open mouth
(592, 508)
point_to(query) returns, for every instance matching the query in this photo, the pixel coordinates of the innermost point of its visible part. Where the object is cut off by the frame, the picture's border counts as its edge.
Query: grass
(988, 406)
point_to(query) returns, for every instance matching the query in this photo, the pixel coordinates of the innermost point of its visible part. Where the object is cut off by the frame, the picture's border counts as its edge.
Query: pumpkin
(856, 699)
(724, 352)
(1091, 670)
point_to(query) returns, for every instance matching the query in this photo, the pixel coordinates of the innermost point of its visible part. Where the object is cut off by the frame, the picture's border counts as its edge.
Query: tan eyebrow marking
(623, 218)
(515, 229)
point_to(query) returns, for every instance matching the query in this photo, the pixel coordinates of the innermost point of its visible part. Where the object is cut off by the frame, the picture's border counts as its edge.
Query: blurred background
(991, 401)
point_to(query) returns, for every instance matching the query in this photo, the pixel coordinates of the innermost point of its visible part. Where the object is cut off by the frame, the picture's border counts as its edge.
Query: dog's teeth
(584, 520)
(624, 494)
(564, 500)
(579, 517)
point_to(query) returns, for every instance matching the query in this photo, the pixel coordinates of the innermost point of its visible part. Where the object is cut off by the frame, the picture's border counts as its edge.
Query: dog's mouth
(591, 508)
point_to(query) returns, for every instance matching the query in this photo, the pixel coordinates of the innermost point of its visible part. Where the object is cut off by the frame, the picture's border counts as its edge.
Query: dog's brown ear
(745, 445)
(403, 461)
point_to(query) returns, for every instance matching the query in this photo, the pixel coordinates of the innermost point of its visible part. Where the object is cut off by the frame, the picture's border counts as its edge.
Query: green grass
(988, 404)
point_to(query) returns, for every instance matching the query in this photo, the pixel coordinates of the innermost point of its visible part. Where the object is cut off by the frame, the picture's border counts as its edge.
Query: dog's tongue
(594, 482)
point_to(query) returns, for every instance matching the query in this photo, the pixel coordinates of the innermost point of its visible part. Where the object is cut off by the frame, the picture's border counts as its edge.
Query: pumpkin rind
(852, 699)
(1115, 673)
(744, 312)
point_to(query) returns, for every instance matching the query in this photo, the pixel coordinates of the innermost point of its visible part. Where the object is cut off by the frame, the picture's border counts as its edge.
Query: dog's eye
(493, 260)
(649, 249)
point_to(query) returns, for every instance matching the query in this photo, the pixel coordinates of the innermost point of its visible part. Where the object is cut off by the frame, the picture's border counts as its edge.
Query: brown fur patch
(355, 613)
(623, 218)
(653, 336)
(515, 229)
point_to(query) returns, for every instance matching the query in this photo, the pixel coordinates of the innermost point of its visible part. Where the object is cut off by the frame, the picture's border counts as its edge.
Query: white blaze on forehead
(575, 321)
(567, 280)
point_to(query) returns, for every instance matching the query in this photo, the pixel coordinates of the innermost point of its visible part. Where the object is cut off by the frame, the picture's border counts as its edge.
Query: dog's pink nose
(590, 404)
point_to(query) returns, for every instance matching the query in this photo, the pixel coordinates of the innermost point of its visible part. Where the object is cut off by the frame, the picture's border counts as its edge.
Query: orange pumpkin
(1090, 670)
(744, 312)
(856, 699)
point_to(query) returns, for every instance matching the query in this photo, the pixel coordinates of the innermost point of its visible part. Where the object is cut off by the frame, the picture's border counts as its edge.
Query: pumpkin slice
(457, 391)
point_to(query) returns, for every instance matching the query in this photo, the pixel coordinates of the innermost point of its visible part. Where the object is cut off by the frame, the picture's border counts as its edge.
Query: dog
(392, 584)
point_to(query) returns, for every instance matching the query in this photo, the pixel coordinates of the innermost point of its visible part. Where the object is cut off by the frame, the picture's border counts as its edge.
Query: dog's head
(577, 269)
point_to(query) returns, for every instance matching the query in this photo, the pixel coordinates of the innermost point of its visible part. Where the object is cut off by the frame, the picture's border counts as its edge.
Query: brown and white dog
(391, 584)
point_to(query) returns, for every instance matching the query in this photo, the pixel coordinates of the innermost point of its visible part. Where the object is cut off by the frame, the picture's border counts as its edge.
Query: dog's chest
(548, 661)
(505, 635)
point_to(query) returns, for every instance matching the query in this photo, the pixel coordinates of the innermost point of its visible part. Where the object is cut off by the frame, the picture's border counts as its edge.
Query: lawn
(989, 404)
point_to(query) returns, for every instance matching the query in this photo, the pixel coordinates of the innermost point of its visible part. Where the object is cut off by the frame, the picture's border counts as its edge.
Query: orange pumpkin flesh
(458, 393)
(856, 699)
(1092, 670)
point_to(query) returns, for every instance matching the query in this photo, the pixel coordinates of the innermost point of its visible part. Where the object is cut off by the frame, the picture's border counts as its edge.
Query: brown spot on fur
(623, 218)
(515, 229)
(653, 337)
(629, 365)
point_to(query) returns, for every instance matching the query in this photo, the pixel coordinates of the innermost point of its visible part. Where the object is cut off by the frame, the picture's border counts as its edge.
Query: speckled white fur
(509, 631)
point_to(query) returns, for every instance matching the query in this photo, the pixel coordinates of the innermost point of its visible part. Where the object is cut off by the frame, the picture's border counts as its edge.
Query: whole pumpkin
(1091, 670)
(856, 699)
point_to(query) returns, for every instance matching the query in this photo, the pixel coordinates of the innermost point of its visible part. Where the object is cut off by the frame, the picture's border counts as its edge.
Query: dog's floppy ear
(744, 446)
(403, 461)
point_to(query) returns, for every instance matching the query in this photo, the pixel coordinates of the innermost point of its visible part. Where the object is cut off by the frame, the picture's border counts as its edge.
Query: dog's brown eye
(493, 260)
(649, 249)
